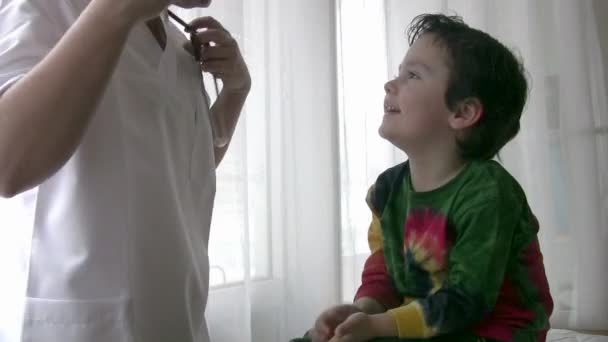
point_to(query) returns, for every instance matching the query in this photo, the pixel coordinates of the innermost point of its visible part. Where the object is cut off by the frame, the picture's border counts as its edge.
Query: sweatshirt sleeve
(376, 282)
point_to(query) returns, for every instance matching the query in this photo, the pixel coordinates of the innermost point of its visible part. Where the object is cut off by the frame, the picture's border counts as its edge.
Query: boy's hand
(361, 327)
(356, 328)
(224, 59)
(329, 320)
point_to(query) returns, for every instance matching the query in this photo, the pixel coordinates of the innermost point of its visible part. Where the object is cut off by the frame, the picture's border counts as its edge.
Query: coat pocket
(51, 320)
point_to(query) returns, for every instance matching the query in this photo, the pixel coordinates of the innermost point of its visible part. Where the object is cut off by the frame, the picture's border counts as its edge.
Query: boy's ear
(467, 113)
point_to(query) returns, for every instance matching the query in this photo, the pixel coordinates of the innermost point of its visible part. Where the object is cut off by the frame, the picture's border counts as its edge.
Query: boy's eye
(412, 75)
(407, 75)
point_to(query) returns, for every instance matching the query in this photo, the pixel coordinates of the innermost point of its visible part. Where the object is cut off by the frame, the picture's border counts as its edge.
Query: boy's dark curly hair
(480, 67)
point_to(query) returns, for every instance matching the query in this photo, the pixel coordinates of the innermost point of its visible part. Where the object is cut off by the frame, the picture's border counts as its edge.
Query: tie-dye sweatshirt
(462, 257)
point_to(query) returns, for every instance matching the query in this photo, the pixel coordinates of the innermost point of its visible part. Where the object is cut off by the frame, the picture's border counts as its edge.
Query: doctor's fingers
(219, 37)
(221, 67)
(210, 53)
(206, 22)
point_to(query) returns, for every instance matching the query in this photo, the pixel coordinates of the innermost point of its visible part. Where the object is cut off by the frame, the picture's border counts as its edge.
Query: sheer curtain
(560, 157)
(273, 254)
(274, 260)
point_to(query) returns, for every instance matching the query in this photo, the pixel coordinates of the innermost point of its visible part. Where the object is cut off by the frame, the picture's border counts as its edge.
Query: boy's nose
(389, 87)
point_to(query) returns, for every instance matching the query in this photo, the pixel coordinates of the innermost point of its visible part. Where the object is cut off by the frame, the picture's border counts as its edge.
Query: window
(362, 72)
(240, 228)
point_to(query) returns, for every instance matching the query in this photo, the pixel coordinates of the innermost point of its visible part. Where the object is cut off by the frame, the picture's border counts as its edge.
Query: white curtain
(560, 157)
(274, 240)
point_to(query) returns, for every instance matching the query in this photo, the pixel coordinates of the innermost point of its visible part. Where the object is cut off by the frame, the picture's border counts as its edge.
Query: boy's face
(415, 112)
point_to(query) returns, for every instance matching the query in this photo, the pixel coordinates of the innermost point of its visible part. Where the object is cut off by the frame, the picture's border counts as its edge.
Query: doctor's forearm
(45, 114)
(228, 107)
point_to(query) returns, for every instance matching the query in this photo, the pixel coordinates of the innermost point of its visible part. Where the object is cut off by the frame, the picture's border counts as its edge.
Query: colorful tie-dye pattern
(425, 247)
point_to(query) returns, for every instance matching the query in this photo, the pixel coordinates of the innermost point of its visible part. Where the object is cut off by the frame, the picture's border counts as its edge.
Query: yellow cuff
(410, 321)
(374, 234)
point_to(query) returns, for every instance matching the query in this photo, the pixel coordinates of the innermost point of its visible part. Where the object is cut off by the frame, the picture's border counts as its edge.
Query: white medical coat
(120, 233)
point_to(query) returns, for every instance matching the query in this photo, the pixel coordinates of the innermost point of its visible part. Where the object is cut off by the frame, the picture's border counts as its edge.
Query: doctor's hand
(223, 59)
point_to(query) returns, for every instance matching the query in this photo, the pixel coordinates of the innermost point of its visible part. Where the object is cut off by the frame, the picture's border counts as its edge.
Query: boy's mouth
(390, 109)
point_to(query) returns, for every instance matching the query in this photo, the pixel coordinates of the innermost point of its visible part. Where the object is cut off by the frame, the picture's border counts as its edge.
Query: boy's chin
(385, 132)
(191, 3)
(392, 135)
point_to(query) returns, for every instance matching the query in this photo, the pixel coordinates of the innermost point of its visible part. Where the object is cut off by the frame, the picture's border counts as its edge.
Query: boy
(455, 254)
(105, 142)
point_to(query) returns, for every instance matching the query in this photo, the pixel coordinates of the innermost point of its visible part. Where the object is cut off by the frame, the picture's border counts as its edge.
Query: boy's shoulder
(482, 182)
(386, 181)
(488, 180)
(492, 173)
(488, 174)
(392, 175)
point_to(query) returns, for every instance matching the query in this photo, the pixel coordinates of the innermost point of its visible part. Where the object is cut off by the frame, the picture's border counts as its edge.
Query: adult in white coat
(105, 138)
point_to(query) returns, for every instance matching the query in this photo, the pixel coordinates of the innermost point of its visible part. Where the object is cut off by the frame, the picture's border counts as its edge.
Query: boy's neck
(432, 170)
